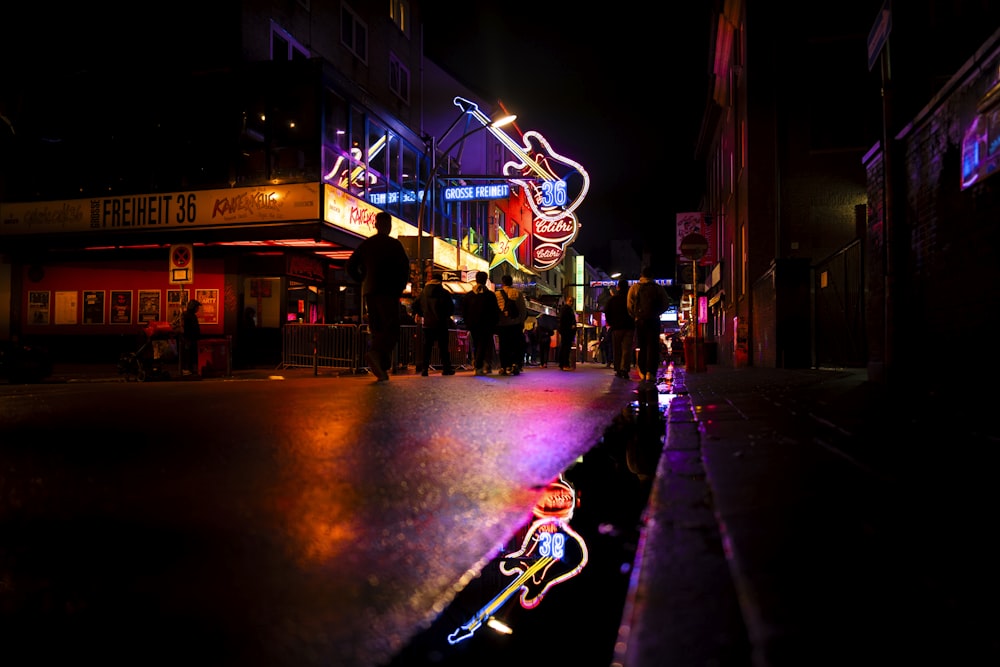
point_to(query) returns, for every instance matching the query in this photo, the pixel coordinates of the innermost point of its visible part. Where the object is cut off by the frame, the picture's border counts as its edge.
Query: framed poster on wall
(66, 304)
(209, 300)
(176, 303)
(38, 307)
(121, 307)
(149, 305)
(93, 306)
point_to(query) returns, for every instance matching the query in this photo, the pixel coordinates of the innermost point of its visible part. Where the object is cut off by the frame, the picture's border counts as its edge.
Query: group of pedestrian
(382, 267)
(481, 314)
(633, 315)
(622, 326)
(501, 313)
(434, 309)
(647, 300)
(510, 328)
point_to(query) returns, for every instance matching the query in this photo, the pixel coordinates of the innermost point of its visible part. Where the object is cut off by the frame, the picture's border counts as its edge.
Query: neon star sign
(505, 249)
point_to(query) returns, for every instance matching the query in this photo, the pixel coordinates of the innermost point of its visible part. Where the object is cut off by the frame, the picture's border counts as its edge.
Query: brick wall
(947, 288)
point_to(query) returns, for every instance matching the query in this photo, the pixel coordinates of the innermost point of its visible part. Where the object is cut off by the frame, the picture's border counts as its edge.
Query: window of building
(743, 145)
(399, 12)
(744, 259)
(284, 46)
(399, 78)
(353, 33)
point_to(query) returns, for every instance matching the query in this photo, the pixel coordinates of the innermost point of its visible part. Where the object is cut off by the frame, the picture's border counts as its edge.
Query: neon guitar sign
(545, 177)
(550, 553)
(538, 162)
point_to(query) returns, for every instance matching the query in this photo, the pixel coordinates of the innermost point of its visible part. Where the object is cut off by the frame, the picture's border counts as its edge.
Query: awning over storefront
(457, 286)
(539, 308)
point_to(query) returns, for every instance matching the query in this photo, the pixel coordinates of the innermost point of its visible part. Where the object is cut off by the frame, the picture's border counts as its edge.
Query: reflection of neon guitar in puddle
(546, 558)
(549, 200)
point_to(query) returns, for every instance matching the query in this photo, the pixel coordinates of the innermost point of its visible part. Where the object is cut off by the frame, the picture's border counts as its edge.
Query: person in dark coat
(191, 332)
(567, 332)
(647, 300)
(435, 309)
(481, 313)
(382, 267)
(622, 329)
(510, 330)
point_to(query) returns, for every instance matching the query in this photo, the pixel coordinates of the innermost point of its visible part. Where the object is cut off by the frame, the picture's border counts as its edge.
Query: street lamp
(467, 108)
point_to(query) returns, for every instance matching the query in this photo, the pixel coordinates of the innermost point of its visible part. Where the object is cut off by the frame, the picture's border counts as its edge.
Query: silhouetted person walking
(481, 314)
(567, 332)
(380, 264)
(191, 332)
(622, 329)
(510, 330)
(435, 309)
(646, 302)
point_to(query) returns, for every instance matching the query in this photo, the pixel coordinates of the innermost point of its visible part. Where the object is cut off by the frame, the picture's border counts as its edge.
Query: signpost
(879, 33)
(694, 246)
(182, 263)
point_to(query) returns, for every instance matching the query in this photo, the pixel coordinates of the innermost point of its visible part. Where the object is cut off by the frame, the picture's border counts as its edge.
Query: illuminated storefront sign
(481, 192)
(357, 216)
(164, 210)
(578, 278)
(356, 175)
(981, 141)
(394, 197)
(505, 249)
(665, 282)
(554, 187)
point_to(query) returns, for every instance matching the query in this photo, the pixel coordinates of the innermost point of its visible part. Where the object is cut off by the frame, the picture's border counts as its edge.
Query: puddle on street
(556, 591)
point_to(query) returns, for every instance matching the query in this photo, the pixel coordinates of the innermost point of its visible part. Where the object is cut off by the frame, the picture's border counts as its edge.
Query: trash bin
(694, 355)
(215, 357)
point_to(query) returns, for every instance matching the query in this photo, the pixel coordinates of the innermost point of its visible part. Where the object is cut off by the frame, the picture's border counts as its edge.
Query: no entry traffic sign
(694, 246)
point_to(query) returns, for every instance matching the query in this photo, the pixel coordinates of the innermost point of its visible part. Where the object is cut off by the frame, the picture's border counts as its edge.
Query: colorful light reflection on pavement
(314, 521)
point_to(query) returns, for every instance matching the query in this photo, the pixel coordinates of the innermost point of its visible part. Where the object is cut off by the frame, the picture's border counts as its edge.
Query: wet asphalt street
(307, 521)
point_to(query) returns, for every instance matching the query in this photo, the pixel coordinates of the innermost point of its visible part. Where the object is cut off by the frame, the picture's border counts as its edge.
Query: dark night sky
(621, 94)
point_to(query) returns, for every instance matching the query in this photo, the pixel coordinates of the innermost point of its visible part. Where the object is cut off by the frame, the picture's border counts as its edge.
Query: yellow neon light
(505, 249)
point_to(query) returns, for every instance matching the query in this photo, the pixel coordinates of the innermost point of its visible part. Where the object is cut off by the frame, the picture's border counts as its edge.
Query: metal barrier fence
(343, 346)
(328, 346)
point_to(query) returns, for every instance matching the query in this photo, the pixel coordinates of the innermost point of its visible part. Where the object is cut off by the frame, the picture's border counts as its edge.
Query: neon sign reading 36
(552, 545)
(554, 193)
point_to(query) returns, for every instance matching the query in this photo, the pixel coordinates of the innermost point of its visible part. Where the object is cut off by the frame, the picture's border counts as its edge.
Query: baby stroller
(157, 349)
